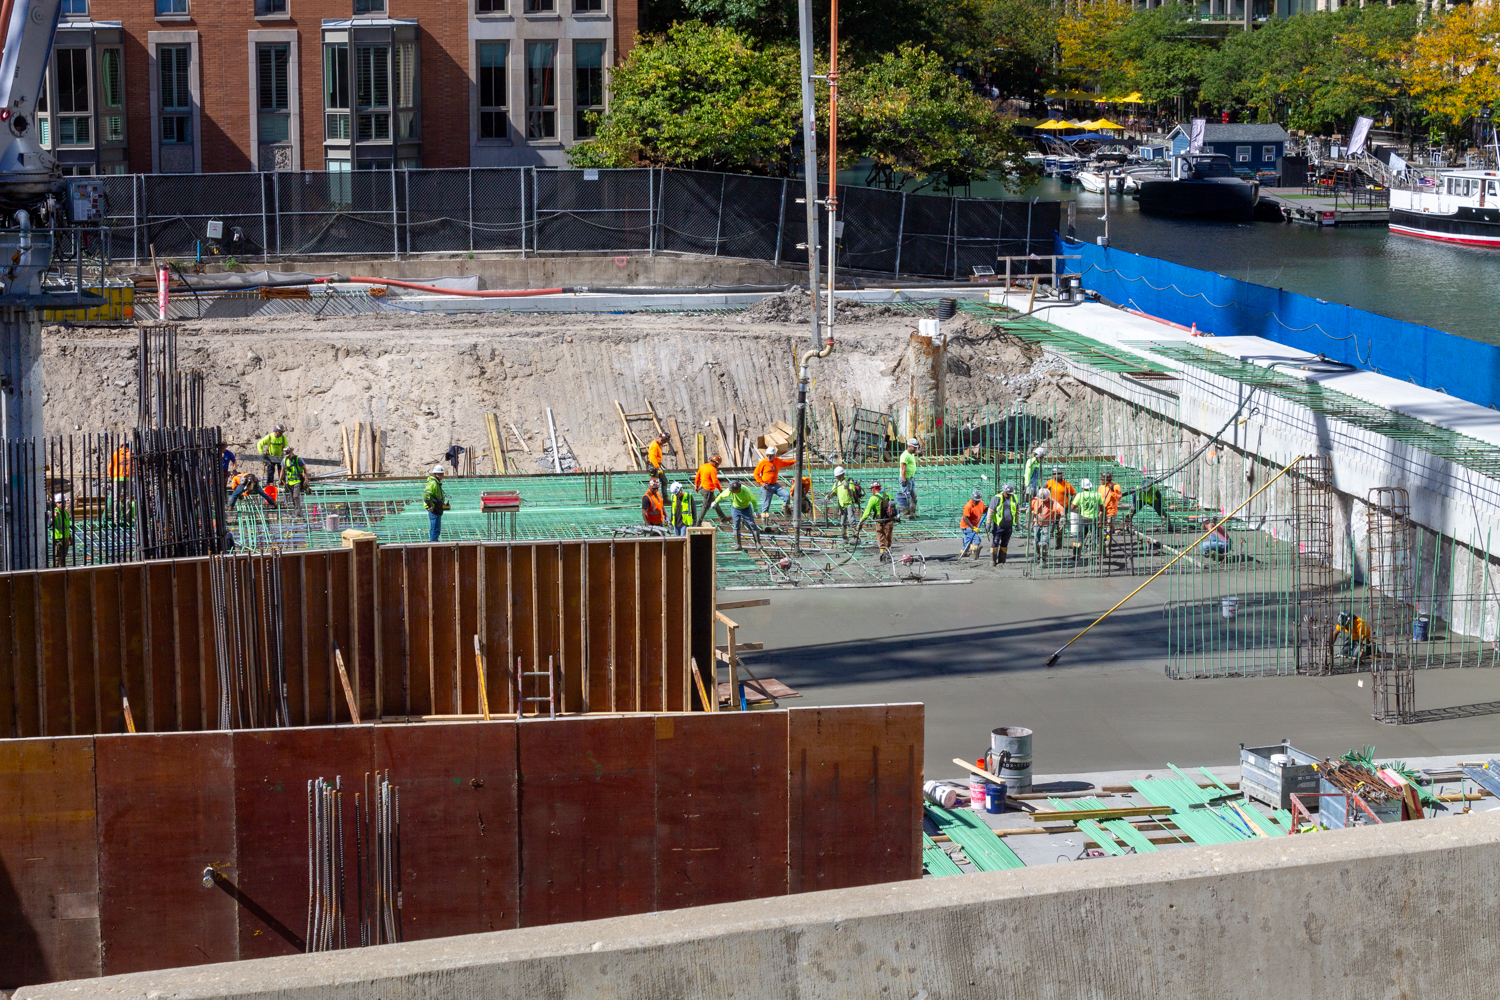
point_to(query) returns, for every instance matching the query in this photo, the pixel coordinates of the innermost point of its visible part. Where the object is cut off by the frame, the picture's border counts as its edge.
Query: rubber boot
(965, 551)
(1003, 550)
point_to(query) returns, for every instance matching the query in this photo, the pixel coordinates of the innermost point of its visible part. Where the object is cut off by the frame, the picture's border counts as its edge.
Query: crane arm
(28, 173)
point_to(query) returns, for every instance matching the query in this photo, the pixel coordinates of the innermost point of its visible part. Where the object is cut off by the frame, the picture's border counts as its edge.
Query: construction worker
(972, 523)
(654, 456)
(707, 483)
(1088, 504)
(1062, 491)
(768, 475)
(1046, 519)
(653, 505)
(742, 507)
(907, 499)
(59, 529)
(119, 477)
(1358, 640)
(230, 462)
(1109, 494)
(682, 510)
(1031, 477)
(1004, 515)
(270, 447)
(435, 500)
(245, 482)
(1153, 497)
(845, 497)
(879, 507)
(1217, 543)
(293, 473)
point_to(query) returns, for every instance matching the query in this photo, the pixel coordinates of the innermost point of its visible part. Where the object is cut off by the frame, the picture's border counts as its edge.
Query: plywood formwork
(104, 840)
(616, 618)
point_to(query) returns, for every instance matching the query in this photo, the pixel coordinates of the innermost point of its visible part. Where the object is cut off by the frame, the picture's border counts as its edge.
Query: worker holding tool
(1109, 495)
(1358, 640)
(742, 507)
(436, 501)
(768, 475)
(59, 529)
(1031, 477)
(907, 499)
(270, 447)
(293, 474)
(879, 507)
(653, 505)
(707, 483)
(119, 479)
(1004, 514)
(844, 498)
(971, 522)
(1088, 504)
(654, 457)
(682, 512)
(246, 482)
(1046, 520)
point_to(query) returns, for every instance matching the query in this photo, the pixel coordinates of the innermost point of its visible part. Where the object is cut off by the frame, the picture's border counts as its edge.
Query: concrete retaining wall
(1405, 910)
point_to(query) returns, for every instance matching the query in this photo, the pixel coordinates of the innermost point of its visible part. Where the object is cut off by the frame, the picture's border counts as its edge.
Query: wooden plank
(83, 679)
(495, 612)
(293, 611)
(626, 612)
(632, 447)
(725, 451)
(460, 863)
(271, 771)
(676, 693)
(185, 626)
(55, 690)
(600, 627)
(735, 605)
(166, 812)
(715, 774)
(574, 771)
(523, 613)
(321, 685)
(418, 629)
(392, 600)
(573, 624)
(134, 617)
(679, 456)
(467, 597)
(341, 619)
(9, 693)
(49, 904)
(855, 795)
(27, 664)
(444, 620)
(160, 654)
(365, 674)
(1073, 815)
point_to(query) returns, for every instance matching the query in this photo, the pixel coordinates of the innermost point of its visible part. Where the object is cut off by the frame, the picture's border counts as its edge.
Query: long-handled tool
(1289, 467)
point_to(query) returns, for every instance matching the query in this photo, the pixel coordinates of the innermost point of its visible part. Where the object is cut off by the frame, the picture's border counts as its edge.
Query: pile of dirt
(793, 306)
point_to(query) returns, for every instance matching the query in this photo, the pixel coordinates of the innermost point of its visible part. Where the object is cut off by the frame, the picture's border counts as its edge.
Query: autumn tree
(1454, 68)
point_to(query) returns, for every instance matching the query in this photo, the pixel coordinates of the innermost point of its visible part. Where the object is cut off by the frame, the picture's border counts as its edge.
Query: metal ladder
(550, 699)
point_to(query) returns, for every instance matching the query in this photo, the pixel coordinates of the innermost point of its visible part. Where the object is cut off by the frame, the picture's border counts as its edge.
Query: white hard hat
(676, 488)
(1040, 450)
(771, 450)
(838, 470)
(1084, 482)
(911, 442)
(437, 470)
(57, 498)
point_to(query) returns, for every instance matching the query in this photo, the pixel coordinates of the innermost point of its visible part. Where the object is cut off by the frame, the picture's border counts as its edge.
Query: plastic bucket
(1230, 605)
(1420, 627)
(940, 793)
(994, 797)
(331, 522)
(976, 790)
(1010, 756)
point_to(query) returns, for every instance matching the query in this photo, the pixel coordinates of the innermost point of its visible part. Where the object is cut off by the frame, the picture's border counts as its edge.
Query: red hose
(435, 289)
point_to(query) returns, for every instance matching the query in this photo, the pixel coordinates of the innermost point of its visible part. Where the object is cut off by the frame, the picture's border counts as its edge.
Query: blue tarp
(1228, 307)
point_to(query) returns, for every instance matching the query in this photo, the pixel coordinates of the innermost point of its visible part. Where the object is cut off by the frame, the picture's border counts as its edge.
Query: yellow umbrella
(1134, 98)
(1106, 124)
(1054, 125)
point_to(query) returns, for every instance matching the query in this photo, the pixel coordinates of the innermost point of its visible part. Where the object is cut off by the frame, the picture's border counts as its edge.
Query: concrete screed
(1398, 911)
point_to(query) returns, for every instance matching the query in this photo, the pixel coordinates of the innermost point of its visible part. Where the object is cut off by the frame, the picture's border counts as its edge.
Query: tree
(1454, 69)
(1087, 38)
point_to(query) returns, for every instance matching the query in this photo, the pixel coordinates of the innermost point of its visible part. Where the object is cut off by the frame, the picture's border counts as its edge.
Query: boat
(1201, 186)
(1093, 180)
(1462, 207)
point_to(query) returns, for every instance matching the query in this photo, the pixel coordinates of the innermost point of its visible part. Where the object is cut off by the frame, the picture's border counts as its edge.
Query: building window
(588, 6)
(404, 69)
(275, 119)
(588, 86)
(176, 101)
(492, 124)
(74, 125)
(111, 77)
(1268, 154)
(171, 8)
(1242, 154)
(269, 8)
(75, 8)
(540, 6)
(541, 90)
(489, 6)
(369, 6)
(372, 75)
(336, 92)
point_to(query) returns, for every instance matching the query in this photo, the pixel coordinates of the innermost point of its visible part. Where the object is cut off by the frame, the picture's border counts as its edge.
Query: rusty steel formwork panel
(855, 776)
(1313, 574)
(1391, 604)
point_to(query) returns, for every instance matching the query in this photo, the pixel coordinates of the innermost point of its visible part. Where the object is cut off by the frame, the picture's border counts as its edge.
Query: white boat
(1462, 207)
(1093, 180)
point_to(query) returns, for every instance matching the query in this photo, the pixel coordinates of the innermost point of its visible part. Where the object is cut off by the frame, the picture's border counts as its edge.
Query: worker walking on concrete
(654, 457)
(1088, 504)
(844, 498)
(293, 475)
(59, 529)
(271, 447)
(246, 483)
(742, 507)
(880, 508)
(972, 523)
(907, 499)
(653, 504)
(1046, 520)
(1063, 492)
(682, 509)
(706, 482)
(436, 501)
(1109, 495)
(768, 475)
(1004, 515)
(1031, 477)
(120, 465)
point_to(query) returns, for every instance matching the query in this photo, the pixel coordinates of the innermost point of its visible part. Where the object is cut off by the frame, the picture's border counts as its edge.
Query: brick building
(205, 86)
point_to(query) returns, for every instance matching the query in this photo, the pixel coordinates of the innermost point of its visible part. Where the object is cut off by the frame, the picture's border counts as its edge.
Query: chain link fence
(530, 210)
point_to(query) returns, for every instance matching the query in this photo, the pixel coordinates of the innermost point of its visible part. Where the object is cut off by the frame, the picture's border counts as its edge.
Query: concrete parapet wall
(1405, 910)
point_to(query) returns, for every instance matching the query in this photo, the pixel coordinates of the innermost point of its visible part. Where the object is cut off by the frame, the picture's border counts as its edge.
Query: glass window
(75, 8)
(1268, 154)
(336, 92)
(492, 124)
(266, 7)
(369, 6)
(541, 87)
(72, 79)
(588, 86)
(171, 7)
(373, 76)
(176, 102)
(74, 130)
(1242, 154)
(489, 6)
(405, 55)
(274, 123)
(111, 77)
(1494, 189)
(114, 128)
(587, 6)
(540, 6)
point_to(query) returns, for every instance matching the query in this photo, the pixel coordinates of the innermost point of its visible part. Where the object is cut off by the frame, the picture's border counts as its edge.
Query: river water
(1453, 288)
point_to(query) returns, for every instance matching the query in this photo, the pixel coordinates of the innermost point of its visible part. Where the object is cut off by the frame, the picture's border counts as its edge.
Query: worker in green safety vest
(1005, 514)
(682, 509)
(742, 508)
(846, 495)
(435, 501)
(293, 474)
(60, 529)
(270, 447)
(1031, 476)
(1088, 503)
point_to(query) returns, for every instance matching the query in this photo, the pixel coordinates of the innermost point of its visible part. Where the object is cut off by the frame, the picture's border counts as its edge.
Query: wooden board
(443, 619)
(362, 609)
(721, 807)
(418, 631)
(271, 771)
(855, 779)
(83, 680)
(459, 858)
(601, 616)
(588, 818)
(392, 667)
(56, 693)
(163, 680)
(49, 878)
(166, 812)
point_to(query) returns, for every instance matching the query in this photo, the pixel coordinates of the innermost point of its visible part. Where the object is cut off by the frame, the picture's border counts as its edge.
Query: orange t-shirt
(1110, 494)
(707, 477)
(653, 453)
(1044, 510)
(1062, 491)
(768, 470)
(974, 514)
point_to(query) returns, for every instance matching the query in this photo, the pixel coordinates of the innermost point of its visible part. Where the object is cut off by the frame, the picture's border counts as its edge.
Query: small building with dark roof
(1251, 148)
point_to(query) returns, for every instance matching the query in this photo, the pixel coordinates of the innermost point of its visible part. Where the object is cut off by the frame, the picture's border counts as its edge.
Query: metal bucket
(1010, 757)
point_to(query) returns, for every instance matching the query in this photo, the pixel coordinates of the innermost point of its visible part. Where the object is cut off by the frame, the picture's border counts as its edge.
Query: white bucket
(1230, 604)
(1281, 759)
(940, 793)
(331, 522)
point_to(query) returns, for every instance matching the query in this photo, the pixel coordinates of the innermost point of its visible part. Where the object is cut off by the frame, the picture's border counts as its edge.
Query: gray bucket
(1010, 757)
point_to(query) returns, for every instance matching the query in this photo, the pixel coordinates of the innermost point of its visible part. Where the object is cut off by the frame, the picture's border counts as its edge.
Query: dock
(1332, 209)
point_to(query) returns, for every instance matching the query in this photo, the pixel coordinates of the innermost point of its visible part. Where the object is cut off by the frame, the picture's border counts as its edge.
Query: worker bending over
(742, 507)
(654, 456)
(880, 508)
(844, 498)
(1004, 514)
(271, 447)
(653, 505)
(768, 475)
(1359, 641)
(245, 482)
(436, 501)
(907, 499)
(1088, 504)
(972, 522)
(682, 509)
(706, 482)
(1046, 521)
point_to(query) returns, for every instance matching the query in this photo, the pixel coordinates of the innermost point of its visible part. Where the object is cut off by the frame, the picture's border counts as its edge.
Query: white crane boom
(28, 173)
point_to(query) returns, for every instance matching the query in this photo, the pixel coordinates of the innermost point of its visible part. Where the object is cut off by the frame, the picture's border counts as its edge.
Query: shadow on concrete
(1456, 712)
